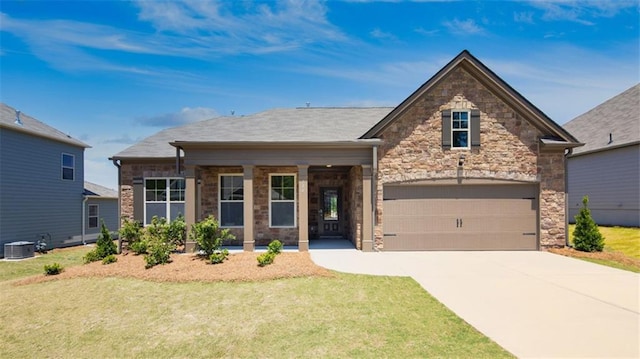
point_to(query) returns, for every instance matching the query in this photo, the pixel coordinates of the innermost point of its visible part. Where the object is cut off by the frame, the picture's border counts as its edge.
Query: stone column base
(367, 245)
(249, 246)
(303, 246)
(190, 247)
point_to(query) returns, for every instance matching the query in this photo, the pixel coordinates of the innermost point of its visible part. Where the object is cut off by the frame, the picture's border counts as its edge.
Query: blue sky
(113, 72)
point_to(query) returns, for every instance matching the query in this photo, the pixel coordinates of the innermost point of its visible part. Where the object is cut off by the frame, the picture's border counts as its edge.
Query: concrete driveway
(534, 304)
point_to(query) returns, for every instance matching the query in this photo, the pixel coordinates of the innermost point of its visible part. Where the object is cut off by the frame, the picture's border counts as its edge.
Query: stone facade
(355, 206)
(412, 150)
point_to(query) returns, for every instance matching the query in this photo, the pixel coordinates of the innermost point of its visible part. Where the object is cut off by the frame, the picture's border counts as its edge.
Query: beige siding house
(607, 168)
(465, 162)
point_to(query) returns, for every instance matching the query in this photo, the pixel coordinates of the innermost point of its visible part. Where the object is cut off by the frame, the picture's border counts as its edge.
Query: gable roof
(497, 86)
(34, 127)
(277, 126)
(612, 124)
(96, 190)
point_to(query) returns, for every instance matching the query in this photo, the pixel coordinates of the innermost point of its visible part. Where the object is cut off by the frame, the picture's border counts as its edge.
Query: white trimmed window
(282, 200)
(163, 197)
(93, 216)
(231, 200)
(68, 166)
(460, 129)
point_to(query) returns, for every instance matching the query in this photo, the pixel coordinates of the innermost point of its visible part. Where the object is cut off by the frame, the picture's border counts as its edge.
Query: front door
(330, 223)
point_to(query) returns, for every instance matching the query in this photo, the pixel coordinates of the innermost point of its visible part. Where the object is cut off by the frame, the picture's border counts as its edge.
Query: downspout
(566, 197)
(374, 192)
(84, 208)
(178, 148)
(119, 166)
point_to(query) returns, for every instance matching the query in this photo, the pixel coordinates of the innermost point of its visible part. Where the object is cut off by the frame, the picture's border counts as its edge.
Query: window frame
(63, 167)
(96, 216)
(167, 195)
(467, 130)
(295, 199)
(220, 200)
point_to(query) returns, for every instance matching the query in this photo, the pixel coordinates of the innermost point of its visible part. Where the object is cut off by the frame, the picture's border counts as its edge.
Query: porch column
(190, 204)
(367, 207)
(303, 208)
(249, 242)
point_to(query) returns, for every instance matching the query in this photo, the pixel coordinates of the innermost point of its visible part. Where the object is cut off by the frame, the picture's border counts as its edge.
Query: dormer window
(460, 129)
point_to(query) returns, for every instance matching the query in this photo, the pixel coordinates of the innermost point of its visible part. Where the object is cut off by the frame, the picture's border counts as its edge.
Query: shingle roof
(314, 124)
(34, 127)
(617, 116)
(92, 189)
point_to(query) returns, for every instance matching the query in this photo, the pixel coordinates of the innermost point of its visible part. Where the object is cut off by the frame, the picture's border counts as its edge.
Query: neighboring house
(101, 206)
(41, 182)
(607, 168)
(465, 162)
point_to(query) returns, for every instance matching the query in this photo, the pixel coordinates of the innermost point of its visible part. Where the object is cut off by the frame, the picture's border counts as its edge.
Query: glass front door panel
(330, 210)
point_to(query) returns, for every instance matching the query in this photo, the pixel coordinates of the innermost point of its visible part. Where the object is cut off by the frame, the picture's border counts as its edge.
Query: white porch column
(249, 242)
(303, 208)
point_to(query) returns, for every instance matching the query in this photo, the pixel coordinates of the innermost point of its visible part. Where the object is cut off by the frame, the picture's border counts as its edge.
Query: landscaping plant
(586, 236)
(209, 236)
(273, 249)
(53, 269)
(158, 244)
(104, 246)
(109, 259)
(177, 231)
(131, 232)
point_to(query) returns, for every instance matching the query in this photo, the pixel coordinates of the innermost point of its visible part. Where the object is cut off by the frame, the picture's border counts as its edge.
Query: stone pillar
(303, 208)
(367, 208)
(190, 204)
(249, 242)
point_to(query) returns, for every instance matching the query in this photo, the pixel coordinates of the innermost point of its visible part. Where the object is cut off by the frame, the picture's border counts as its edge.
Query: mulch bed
(189, 268)
(613, 256)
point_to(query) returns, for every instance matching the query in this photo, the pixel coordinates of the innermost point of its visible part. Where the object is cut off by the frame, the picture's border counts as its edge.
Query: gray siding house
(101, 204)
(607, 168)
(41, 182)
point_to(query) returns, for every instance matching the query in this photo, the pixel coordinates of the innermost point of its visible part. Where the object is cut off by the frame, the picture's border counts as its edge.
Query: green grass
(625, 240)
(349, 316)
(613, 264)
(66, 257)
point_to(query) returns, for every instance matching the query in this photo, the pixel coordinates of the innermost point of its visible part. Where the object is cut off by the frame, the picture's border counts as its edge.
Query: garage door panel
(460, 217)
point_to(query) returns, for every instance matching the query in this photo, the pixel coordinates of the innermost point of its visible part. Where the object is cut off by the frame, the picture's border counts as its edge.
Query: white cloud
(463, 27)
(582, 11)
(381, 35)
(186, 115)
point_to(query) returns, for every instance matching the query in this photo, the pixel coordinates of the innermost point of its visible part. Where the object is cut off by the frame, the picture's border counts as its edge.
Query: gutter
(374, 192)
(118, 164)
(84, 215)
(566, 197)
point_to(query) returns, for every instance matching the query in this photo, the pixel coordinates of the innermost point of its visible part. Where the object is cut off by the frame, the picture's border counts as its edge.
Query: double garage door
(460, 217)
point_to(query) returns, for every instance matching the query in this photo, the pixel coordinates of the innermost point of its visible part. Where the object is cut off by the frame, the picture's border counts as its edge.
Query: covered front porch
(262, 194)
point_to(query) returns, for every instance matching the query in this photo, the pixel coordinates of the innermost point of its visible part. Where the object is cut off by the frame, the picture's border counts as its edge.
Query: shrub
(177, 231)
(266, 258)
(208, 235)
(104, 246)
(587, 236)
(109, 259)
(53, 269)
(158, 244)
(131, 231)
(219, 256)
(139, 247)
(275, 247)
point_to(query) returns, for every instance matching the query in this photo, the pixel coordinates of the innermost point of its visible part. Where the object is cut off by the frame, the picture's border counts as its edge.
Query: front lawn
(26, 267)
(342, 316)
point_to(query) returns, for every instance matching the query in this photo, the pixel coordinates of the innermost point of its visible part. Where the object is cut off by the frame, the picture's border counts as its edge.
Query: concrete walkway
(534, 304)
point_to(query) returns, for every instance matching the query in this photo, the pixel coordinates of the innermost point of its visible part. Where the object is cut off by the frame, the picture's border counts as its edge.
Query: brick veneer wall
(355, 206)
(264, 234)
(209, 195)
(130, 170)
(412, 150)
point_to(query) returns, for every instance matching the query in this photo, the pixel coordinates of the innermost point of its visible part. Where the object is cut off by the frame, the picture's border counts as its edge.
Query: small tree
(131, 231)
(177, 231)
(104, 246)
(209, 236)
(586, 236)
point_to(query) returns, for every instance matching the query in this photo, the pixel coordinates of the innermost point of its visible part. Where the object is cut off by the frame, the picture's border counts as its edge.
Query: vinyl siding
(611, 180)
(107, 212)
(34, 200)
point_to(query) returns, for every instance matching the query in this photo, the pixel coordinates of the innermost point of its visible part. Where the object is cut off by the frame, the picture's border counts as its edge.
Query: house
(607, 168)
(465, 162)
(101, 205)
(41, 182)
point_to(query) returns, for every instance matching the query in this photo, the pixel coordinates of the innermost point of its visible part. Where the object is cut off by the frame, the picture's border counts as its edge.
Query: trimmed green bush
(131, 232)
(109, 259)
(587, 236)
(266, 258)
(139, 247)
(209, 236)
(275, 247)
(219, 256)
(177, 231)
(104, 246)
(91, 256)
(159, 246)
(53, 269)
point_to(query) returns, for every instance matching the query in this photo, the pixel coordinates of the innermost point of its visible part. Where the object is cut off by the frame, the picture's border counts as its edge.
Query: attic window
(460, 129)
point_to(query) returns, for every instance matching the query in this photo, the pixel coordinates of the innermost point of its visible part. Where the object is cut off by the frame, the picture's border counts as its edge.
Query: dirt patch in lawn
(612, 256)
(188, 268)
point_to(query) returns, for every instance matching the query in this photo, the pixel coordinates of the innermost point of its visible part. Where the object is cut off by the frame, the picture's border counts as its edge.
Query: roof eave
(292, 144)
(71, 141)
(603, 149)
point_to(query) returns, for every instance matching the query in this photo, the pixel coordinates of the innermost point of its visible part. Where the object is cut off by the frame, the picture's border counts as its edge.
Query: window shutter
(446, 128)
(475, 127)
(138, 199)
